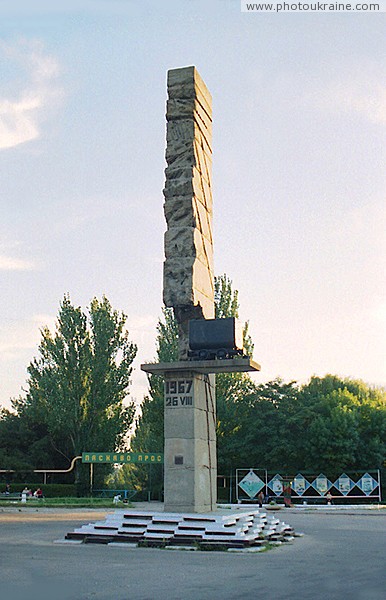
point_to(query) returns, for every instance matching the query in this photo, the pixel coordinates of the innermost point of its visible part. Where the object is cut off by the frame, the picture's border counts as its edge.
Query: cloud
(17, 337)
(9, 263)
(11, 255)
(363, 94)
(24, 105)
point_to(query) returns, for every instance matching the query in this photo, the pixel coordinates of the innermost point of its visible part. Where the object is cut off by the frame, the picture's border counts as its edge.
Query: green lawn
(66, 503)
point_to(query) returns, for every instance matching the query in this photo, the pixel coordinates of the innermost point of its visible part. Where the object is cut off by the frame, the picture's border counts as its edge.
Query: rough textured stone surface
(190, 425)
(188, 267)
(183, 211)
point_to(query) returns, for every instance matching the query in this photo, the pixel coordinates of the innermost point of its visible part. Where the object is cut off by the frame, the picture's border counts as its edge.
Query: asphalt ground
(341, 556)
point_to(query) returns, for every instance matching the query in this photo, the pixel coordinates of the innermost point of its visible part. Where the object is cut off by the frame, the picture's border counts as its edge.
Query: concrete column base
(190, 443)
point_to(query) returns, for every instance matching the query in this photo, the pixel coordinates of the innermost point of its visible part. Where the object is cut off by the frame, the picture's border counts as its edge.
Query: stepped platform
(239, 529)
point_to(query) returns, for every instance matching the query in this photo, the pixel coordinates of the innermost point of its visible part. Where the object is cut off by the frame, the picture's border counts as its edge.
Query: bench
(17, 497)
(12, 496)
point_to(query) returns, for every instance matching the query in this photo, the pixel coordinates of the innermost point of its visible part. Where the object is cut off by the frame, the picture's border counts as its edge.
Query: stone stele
(188, 267)
(190, 462)
(190, 404)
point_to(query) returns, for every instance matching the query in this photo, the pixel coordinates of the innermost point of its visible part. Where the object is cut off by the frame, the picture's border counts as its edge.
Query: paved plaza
(342, 555)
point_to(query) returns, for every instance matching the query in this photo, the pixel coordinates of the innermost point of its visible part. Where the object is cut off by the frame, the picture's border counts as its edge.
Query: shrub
(50, 490)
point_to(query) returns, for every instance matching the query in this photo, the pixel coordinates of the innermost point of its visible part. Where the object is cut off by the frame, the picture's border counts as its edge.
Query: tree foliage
(149, 433)
(24, 443)
(77, 385)
(226, 303)
(326, 425)
(329, 424)
(345, 424)
(232, 389)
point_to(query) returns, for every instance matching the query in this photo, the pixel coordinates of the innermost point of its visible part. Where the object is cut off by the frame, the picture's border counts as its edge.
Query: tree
(226, 303)
(78, 383)
(23, 442)
(327, 425)
(232, 389)
(343, 424)
(149, 433)
(261, 429)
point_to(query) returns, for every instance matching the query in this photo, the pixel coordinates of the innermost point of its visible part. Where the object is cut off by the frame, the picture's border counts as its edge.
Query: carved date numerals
(178, 392)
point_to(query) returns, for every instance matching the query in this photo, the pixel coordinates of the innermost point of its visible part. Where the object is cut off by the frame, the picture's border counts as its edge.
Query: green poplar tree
(79, 382)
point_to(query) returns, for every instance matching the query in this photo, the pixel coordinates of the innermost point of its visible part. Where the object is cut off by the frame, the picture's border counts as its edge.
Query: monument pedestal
(190, 442)
(190, 462)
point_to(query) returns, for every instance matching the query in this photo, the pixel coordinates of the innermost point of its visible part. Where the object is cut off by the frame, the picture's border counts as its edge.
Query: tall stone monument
(190, 405)
(188, 268)
(190, 463)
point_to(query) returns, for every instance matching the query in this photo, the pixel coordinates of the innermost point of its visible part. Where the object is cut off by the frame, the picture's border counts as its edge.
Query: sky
(299, 179)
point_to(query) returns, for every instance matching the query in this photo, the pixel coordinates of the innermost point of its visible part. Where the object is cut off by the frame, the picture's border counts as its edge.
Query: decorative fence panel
(347, 486)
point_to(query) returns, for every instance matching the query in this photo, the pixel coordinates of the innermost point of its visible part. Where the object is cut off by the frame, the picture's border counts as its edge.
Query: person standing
(287, 495)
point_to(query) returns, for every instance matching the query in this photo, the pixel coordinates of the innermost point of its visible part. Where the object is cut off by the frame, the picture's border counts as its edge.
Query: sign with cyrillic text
(122, 457)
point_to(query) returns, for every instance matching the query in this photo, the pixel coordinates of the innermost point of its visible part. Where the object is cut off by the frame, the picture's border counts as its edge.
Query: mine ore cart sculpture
(211, 339)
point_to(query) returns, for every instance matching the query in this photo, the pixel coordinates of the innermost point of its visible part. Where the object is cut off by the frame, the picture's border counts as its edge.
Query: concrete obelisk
(190, 405)
(188, 268)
